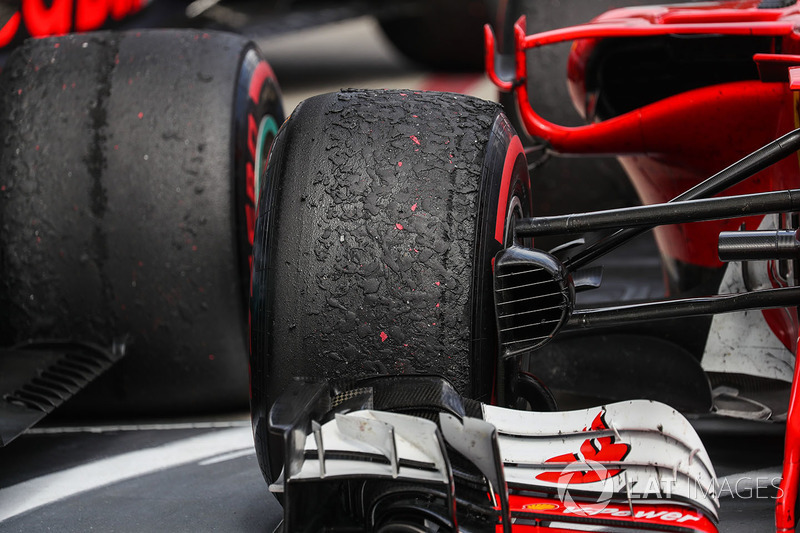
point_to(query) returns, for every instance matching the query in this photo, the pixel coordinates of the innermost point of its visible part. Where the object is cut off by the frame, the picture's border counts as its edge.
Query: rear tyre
(127, 197)
(380, 214)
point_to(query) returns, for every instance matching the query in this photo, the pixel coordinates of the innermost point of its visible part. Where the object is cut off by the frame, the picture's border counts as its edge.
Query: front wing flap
(635, 465)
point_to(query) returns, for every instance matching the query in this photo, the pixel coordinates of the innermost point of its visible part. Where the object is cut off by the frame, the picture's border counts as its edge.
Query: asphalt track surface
(202, 475)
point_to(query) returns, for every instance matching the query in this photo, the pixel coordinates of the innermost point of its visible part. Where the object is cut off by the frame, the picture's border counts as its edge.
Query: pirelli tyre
(380, 215)
(127, 189)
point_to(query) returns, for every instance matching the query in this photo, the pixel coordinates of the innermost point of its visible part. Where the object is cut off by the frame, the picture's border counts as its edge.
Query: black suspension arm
(684, 307)
(660, 214)
(744, 168)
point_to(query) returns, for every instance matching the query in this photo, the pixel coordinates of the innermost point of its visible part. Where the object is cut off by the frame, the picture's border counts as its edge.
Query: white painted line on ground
(228, 456)
(138, 427)
(50, 488)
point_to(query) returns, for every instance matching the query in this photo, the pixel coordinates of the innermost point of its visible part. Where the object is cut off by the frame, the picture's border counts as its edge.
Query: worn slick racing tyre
(127, 193)
(380, 215)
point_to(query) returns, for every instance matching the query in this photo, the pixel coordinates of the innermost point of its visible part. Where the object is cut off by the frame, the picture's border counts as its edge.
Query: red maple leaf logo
(600, 450)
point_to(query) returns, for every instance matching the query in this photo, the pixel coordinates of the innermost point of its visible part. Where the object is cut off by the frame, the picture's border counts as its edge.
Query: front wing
(440, 464)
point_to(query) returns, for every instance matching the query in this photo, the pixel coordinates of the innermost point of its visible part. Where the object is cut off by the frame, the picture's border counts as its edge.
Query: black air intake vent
(533, 298)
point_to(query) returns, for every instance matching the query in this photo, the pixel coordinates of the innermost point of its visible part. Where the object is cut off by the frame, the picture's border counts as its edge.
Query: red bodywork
(674, 143)
(670, 145)
(38, 18)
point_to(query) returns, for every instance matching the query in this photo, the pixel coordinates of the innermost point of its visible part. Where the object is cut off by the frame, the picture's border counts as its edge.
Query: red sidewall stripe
(262, 72)
(514, 150)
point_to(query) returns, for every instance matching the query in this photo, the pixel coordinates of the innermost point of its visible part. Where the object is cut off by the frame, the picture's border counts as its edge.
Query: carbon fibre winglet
(37, 377)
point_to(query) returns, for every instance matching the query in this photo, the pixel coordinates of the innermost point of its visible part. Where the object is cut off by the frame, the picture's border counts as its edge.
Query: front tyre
(379, 217)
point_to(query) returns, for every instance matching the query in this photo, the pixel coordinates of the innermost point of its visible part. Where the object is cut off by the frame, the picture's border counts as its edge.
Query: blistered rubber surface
(374, 234)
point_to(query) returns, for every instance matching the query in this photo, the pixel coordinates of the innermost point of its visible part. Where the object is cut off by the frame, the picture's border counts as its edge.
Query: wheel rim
(513, 214)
